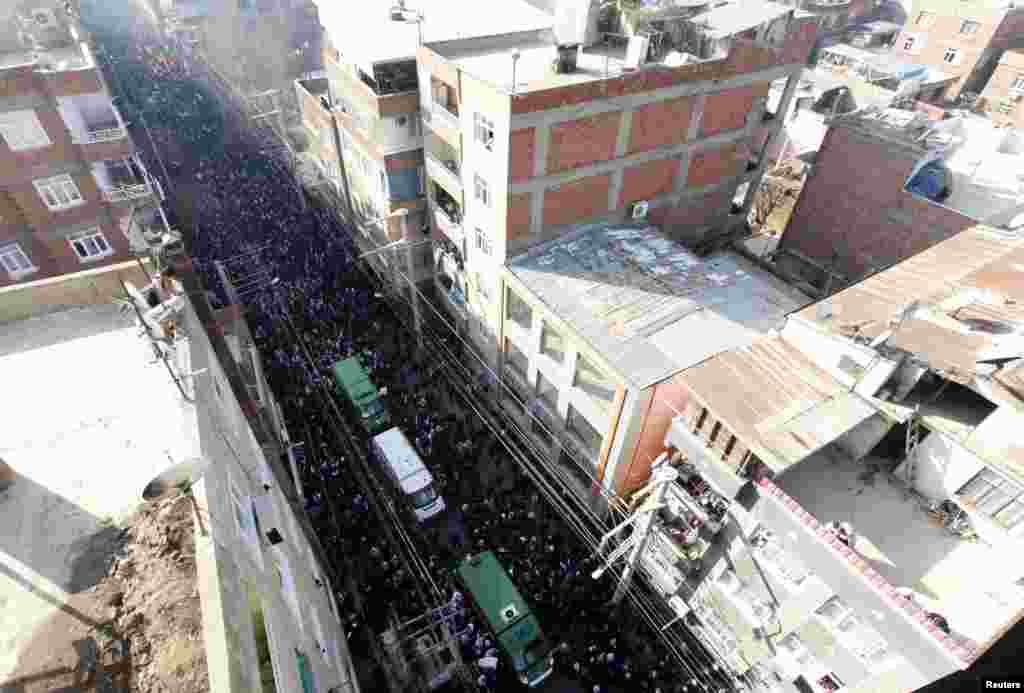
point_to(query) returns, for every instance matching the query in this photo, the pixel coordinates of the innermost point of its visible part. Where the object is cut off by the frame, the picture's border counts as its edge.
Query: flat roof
(491, 61)
(98, 421)
(409, 468)
(369, 36)
(645, 303)
(737, 17)
(964, 581)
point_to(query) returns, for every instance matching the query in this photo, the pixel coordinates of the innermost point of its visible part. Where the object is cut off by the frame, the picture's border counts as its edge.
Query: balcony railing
(449, 226)
(101, 135)
(448, 118)
(445, 172)
(121, 193)
(874, 582)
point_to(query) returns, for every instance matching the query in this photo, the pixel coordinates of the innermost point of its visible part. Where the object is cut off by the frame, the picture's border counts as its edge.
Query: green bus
(516, 629)
(353, 385)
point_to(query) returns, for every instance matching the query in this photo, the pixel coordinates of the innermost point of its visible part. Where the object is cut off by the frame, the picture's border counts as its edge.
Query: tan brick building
(73, 193)
(962, 38)
(1003, 97)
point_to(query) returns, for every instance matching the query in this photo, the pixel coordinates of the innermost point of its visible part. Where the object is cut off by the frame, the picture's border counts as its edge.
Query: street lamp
(400, 13)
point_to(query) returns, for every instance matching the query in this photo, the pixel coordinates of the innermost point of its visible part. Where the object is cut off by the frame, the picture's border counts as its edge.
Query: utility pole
(637, 542)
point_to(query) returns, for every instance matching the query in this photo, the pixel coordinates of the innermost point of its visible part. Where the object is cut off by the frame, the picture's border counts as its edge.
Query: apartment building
(364, 119)
(965, 39)
(558, 169)
(1003, 96)
(876, 438)
(74, 195)
(888, 183)
(270, 613)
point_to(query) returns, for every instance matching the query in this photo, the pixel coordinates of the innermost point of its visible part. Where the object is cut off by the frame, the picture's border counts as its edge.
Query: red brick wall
(18, 81)
(404, 160)
(713, 165)
(998, 90)
(684, 220)
(36, 213)
(16, 163)
(75, 82)
(54, 256)
(520, 154)
(583, 141)
(518, 218)
(660, 124)
(647, 180)
(576, 201)
(727, 110)
(853, 205)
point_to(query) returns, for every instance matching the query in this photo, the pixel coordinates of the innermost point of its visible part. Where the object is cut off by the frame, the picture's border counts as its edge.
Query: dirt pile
(138, 629)
(157, 602)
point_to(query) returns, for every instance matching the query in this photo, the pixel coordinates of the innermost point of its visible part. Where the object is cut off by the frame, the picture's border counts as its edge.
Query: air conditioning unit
(639, 210)
(43, 18)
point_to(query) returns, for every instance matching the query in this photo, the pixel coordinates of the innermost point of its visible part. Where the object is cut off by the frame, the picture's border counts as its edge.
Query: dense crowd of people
(234, 201)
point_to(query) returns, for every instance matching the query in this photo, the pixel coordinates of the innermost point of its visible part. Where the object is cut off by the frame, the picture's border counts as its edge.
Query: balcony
(722, 477)
(123, 180)
(447, 214)
(443, 164)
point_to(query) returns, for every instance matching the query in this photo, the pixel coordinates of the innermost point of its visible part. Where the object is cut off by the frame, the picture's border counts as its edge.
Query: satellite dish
(175, 479)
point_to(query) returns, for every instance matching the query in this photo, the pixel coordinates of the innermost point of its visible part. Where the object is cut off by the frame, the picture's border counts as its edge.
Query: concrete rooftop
(895, 536)
(376, 38)
(650, 307)
(91, 419)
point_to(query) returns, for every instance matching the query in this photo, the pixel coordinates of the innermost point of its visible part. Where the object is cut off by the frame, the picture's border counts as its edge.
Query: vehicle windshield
(425, 496)
(531, 655)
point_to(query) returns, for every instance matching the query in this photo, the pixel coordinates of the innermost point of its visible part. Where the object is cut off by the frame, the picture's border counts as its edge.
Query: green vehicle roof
(494, 593)
(352, 377)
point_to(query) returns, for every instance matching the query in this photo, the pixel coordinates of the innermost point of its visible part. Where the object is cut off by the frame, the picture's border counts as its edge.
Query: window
(90, 244)
(22, 130)
(951, 56)
(483, 243)
(480, 190)
(584, 432)
(594, 383)
(15, 261)
(58, 192)
(969, 27)
(926, 19)
(483, 131)
(552, 344)
(1017, 85)
(547, 392)
(517, 311)
(515, 359)
(483, 287)
(997, 497)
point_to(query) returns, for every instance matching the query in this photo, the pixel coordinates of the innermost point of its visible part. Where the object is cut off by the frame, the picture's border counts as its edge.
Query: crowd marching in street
(232, 197)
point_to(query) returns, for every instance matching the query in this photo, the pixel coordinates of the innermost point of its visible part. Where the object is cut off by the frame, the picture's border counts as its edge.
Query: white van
(408, 473)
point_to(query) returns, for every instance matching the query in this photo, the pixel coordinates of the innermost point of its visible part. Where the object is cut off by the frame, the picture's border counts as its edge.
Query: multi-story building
(964, 39)
(74, 194)
(559, 169)
(876, 433)
(1003, 96)
(364, 119)
(887, 183)
(259, 592)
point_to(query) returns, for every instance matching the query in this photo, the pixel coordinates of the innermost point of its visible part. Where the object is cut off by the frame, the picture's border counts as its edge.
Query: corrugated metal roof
(980, 271)
(776, 400)
(645, 303)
